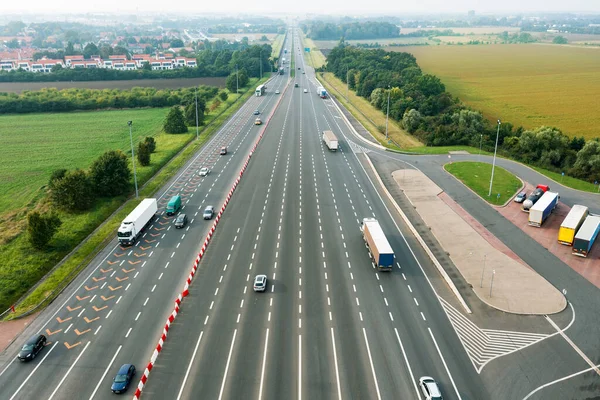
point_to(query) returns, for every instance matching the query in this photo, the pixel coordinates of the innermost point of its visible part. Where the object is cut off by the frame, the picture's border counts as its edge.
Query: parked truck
(586, 235)
(542, 208)
(133, 225)
(534, 197)
(330, 140)
(322, 92)
(381, 251)
(571, 224)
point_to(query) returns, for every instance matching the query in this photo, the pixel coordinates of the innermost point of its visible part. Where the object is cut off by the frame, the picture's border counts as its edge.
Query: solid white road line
(372, 366)
(412, 376)
(445, 365)
(227, 365)
(33, 372)
(337, 372)
(105, 372)
(189, 368)
(262, 373)
(69, 371)
(560, 380)
(299, 367)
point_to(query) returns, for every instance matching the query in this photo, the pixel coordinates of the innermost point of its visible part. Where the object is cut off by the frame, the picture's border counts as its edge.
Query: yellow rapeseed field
(529, 85)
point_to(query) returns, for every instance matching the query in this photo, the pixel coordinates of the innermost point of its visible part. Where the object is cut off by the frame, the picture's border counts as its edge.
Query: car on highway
(305, 90)
(298, 67)
(277, 92)
(181, 221)
(257, 121)
(295, 85)
(204, 171)
(303, 72)
(256, 112)
(520, 197)
(32, 347)
(208, 213)
(430, 388)
(123, 379)
(223, 151)
(260, 283)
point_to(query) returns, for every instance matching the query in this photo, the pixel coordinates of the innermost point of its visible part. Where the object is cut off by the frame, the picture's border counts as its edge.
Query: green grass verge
(31, 265)
(446, 150)
(370, 117)
(314, 58)
(277, 45)
(568, 181)
(476, 176)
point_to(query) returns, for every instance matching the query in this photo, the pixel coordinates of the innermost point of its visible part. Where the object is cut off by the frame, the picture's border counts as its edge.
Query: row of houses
(160, 61)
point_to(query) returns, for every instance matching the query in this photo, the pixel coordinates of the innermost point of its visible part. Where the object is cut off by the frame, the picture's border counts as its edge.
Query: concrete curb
(188, 282)
(441, 270)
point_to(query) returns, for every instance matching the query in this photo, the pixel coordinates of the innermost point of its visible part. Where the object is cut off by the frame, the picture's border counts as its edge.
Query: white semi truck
(381, 251)
(133, 225)
(330, 140)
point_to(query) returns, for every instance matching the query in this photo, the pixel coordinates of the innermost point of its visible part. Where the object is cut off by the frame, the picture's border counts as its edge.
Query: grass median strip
(64, 273)
(476, 176)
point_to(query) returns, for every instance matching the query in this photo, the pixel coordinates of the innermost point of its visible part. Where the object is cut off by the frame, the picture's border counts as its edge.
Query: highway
(329, 324)
(115, 311)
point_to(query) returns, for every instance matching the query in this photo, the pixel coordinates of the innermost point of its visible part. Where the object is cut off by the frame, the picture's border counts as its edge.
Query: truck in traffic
(542, 208)
(281, 70)
(571, 224)
(134, 224)
(534, 196)
(174, 205)
(586, 236)
(260, 90)
(330, 140)
(379, 247)
(283, 60)
(322, 92)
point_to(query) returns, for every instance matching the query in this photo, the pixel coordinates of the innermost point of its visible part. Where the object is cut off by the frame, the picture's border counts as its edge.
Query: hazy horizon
(338, 7)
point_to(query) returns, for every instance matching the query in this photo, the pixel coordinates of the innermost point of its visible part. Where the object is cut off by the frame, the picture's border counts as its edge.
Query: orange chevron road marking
(73, 309)
(121, 279)
(90, 320)
(106, 298)
(81, 298)
(50, 333)
(127, 270)
(99, 309)
(98, 279)
(92, 288)
(112, 289)
(70, 346)
(108, 270)
(81, 333)
(60, 321)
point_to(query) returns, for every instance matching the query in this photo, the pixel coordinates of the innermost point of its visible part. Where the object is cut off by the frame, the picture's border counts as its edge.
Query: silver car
(209, 211)
(204, 171)
(430, 388)
(260, 283)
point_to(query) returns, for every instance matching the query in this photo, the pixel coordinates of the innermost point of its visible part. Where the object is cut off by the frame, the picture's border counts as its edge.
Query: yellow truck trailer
(571, 224)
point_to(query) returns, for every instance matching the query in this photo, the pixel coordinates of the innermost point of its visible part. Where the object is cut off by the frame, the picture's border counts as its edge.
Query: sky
(340, 7)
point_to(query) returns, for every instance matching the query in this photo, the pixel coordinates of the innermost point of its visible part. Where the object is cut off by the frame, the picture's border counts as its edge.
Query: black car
(256, 112)
(181, 221)
(32, 347)
(123, 378)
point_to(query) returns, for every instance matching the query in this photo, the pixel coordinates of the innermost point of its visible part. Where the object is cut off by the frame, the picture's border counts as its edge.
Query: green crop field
(34, 145)
(529, 85)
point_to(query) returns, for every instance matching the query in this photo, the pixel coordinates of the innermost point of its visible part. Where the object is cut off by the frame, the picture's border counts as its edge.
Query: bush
(223, 95)
(110, 174)
(41, 228)
(143, 154)
(151, 143)
(72, 192)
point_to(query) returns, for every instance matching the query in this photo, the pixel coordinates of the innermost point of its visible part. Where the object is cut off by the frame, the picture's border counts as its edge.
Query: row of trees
(54, 100)
(320, 30)
(424, 108)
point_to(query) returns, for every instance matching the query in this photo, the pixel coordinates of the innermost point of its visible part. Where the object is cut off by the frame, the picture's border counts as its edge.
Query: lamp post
(387, 116)
(197, 133)
(494, 162)
(133, 159)
(480, 143)
(236, 79)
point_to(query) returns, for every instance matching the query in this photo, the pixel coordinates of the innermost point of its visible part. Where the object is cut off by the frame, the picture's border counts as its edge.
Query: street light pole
(133, 159)
(494, 162)
(197, 133)
(480, 143)
(236, 79)
(387, 116)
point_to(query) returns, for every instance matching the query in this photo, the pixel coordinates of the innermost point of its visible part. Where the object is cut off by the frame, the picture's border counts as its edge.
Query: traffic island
(497, 275)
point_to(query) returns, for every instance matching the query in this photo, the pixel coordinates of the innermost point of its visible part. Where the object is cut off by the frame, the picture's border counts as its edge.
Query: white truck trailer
(381, 251)
(330, 140)
(542, 209)
(133, 225)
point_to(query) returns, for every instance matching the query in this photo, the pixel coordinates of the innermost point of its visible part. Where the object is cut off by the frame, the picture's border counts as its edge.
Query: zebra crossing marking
(485, 345)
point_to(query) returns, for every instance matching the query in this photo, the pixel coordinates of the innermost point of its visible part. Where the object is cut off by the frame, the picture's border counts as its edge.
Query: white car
(260, 283)
(204, 171)
(277, 92)
(305, 90)
(430, 388)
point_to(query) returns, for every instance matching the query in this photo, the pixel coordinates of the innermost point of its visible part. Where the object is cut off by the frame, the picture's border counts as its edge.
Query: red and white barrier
(188, 282)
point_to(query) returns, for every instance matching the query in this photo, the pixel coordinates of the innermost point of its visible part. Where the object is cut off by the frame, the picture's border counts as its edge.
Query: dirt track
(18, 87)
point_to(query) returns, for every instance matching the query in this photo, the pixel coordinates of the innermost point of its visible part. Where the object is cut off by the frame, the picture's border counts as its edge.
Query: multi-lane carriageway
(115, 312)
(329, 324)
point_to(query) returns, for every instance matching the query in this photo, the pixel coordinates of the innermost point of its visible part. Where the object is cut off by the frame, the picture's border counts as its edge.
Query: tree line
(54, 100)
(423, 107)
(320, 30)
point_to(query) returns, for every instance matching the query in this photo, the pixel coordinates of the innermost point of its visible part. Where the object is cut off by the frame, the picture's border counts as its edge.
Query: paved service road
(329, 325)
(114, 313)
